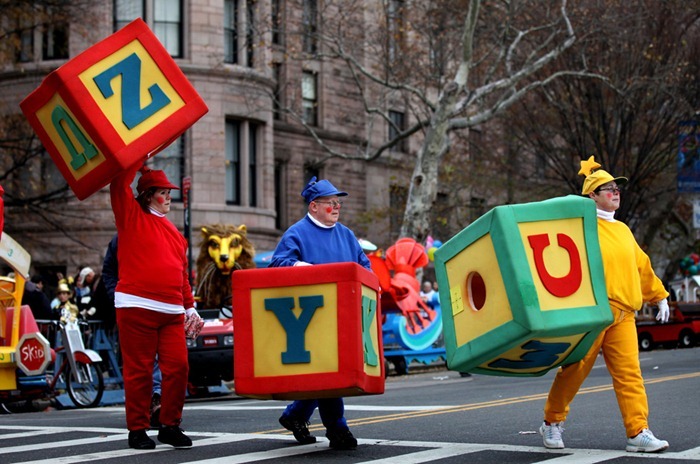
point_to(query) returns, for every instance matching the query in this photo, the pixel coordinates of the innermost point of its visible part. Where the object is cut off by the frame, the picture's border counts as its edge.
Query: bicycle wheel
(89, 393)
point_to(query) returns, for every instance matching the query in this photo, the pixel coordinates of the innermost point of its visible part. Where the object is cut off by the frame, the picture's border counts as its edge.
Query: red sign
(33, 353)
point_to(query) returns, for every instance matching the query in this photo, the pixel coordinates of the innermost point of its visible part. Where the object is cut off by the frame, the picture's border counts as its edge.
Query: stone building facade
(249, 157)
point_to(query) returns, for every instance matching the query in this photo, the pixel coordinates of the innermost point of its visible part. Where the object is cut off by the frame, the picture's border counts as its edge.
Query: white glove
(302, 263)
(664, 312)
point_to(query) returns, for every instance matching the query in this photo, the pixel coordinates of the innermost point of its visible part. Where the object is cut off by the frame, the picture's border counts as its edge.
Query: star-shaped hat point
(588, 167)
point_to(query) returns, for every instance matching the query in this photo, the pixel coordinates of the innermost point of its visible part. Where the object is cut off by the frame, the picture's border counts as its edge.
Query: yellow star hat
(596, 177)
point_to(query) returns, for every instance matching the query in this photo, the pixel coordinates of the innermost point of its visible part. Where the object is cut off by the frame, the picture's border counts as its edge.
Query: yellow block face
(149, 80)
(270, 338)
(69, 134)
(535, 352)
(374, 371)
(564, 263)
(478, 295)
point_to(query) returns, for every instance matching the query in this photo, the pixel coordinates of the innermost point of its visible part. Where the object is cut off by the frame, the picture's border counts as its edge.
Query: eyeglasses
(334, 203)
(610, 189)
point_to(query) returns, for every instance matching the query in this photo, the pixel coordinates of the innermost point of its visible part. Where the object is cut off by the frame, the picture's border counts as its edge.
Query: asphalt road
(427, 416)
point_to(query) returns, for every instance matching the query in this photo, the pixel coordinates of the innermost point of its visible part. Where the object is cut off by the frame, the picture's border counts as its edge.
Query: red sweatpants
(143, 334)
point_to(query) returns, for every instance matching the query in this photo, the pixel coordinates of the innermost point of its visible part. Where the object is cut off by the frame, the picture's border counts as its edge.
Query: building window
(277, 102)
(280, 187)
(309, 24)
(277, 24)
(242, 163)
(233, 163)
(25, 45)
(309, 97)
(126, 11)
(165, 20)
(394, 28)
(252, 165)
(172, 161)
(397, 125)
(167, 25)
(54, 44)
(231, 31)
(239, 15)
(250, 33)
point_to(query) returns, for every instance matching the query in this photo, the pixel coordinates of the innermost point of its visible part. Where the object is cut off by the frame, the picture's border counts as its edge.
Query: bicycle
(76, 369)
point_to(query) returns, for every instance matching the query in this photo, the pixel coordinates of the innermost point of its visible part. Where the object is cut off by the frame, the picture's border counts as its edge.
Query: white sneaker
(646, 442)
(551, 435)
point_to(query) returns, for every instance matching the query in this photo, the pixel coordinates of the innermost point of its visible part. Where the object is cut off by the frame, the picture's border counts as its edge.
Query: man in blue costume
(318, 238)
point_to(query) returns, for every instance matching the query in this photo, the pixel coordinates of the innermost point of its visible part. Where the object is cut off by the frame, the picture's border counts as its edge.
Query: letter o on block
(522, 288)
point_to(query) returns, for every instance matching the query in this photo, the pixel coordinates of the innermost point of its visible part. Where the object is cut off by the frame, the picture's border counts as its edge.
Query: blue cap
(322, 188)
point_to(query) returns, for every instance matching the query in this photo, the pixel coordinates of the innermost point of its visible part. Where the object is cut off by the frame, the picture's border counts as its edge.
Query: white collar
(157, 213)
(606, 215)
(315, 221)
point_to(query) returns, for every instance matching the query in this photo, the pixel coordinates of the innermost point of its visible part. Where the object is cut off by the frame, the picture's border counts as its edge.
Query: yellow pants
(621, 353)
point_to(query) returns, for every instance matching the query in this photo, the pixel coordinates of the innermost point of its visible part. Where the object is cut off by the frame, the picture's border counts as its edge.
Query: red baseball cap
(154, 178)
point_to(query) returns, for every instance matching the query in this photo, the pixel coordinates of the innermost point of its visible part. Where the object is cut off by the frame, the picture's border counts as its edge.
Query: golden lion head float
(224, 248)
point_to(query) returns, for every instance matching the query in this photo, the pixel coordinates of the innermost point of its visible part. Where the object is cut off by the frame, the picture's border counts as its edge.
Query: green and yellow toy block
(522, 288)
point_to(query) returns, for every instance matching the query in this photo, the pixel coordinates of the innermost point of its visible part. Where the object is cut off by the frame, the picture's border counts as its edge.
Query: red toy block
(112, 106)
(307, 332)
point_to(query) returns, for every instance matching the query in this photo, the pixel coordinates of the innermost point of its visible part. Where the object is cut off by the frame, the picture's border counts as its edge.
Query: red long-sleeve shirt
(152, 253)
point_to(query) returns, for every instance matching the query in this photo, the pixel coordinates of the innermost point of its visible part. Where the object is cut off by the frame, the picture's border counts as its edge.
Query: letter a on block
(369, 313)
(294, 327)
(132, 112)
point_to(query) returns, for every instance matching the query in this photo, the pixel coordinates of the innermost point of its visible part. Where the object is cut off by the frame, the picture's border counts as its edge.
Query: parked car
(682, 328)
(211, 353)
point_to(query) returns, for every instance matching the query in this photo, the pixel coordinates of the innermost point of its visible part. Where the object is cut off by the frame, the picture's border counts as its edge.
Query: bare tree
(629, 122)
(34, 187)
(453, 65)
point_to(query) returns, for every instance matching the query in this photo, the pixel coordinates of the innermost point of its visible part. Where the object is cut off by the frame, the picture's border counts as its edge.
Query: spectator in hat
(630, 281)
(318, 238)
(154, 305)
(63, 296)
(84, 282)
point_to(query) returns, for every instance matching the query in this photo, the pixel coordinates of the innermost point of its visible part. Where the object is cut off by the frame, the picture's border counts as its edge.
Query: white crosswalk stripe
(87, 449)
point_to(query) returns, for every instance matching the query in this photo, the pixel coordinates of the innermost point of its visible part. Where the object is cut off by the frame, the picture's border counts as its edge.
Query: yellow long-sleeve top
(629, 277)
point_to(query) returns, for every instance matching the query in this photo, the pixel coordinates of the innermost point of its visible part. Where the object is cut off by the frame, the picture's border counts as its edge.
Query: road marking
(278, 405)
(429, 451)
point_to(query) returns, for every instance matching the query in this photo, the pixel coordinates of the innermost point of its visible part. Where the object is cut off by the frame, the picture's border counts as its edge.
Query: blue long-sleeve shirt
(306, 241)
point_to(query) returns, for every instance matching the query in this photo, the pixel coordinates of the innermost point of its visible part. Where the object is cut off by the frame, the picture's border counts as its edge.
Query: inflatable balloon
(431, 253)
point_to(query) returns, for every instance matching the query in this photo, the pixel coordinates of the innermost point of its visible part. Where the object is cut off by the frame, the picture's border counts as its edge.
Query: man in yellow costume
(630, 281)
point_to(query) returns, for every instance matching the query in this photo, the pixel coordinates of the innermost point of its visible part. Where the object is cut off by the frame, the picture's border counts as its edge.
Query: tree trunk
(424, 181)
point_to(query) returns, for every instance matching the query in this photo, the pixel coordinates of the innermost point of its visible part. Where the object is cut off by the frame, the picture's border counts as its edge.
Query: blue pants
(331, 410)
(157, 377)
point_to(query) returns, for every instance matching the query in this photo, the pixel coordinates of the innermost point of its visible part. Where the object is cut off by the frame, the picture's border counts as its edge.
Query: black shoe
(155, 411)
(173, 436)
(299, 429)
(138, 439)
(341, 439)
